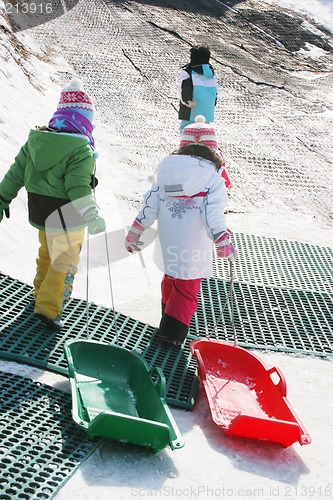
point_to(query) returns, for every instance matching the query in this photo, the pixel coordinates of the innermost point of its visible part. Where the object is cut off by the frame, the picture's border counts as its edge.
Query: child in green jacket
(56, 166)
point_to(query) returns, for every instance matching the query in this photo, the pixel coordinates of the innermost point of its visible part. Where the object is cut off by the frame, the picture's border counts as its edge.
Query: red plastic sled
(245, 398)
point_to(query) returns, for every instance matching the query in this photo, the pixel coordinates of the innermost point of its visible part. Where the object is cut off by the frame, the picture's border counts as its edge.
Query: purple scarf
(69, 120)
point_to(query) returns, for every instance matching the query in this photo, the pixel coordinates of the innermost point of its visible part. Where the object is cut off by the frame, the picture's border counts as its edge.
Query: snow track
(275, 107)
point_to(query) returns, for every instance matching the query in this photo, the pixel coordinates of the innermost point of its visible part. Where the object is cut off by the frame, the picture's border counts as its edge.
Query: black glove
(4, 207)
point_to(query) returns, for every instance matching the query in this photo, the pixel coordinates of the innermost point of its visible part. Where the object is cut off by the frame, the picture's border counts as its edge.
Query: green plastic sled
(116, 396)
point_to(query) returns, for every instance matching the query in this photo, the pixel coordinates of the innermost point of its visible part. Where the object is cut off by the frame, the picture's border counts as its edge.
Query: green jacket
(56, 169)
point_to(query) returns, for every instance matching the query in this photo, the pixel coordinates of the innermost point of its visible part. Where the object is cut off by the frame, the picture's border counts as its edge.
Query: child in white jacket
(188, 200)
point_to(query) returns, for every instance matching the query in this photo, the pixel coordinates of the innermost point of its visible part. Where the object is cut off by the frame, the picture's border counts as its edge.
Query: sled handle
(200, 365)
(158, 381)
(281, 384)
(69, 359)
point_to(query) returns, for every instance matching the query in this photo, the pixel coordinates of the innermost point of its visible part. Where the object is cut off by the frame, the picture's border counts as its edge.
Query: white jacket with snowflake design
(188, 200)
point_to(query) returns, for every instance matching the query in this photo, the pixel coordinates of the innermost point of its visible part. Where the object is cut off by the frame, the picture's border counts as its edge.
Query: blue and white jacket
(197, 83)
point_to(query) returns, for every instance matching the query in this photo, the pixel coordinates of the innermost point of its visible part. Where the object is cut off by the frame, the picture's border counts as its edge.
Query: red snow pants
(180, 297)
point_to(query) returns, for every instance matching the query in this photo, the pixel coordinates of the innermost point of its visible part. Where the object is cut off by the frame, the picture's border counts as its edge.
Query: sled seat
(115, 395)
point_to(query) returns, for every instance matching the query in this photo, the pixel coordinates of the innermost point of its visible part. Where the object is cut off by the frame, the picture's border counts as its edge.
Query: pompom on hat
(75, 111)
(200, 133)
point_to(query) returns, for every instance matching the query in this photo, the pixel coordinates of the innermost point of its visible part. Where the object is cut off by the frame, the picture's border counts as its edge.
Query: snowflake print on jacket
(179, 206)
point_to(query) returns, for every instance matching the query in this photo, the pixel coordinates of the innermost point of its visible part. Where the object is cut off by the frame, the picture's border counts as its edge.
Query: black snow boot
(53, 324)
(171, 330)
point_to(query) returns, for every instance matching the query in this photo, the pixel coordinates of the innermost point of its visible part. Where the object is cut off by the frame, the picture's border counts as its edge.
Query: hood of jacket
(203, 69)
(47, 148)
(179, 175)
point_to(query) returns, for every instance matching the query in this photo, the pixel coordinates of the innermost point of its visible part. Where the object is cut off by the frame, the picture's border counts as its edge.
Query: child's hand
(4, 208)
(95, 223)
(132, 241)
(96, 226)
(191, 104)
(225, 248)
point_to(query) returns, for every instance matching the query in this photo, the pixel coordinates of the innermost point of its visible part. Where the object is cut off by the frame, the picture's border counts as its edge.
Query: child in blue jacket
(197, 88)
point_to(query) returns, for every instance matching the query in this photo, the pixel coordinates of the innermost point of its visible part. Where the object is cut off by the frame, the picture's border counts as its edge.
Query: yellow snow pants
(57, 263)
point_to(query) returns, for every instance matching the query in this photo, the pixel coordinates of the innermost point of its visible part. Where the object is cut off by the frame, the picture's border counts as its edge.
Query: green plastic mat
(25, 339)
(284, 263)
(40, 445)
(270, 318)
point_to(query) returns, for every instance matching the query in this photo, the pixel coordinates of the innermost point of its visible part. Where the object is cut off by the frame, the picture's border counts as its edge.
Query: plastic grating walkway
(280, 319)
(284, 263)
(25, 339)
(40, 445)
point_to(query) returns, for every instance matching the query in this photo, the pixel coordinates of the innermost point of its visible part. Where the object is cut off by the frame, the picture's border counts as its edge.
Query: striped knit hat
(75, 111)
(73, 97)
(200, 133)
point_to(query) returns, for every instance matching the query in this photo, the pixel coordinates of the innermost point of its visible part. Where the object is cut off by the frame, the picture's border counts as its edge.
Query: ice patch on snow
(309, 27)
(312, 51)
